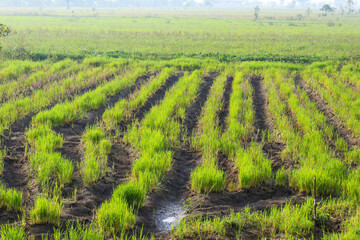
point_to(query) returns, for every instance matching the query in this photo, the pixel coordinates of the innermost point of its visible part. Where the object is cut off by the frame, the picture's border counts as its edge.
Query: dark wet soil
(259, 104)
(166, 205)
(224, 112)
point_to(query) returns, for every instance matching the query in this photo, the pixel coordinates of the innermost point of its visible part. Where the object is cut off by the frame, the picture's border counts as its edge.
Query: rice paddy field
(154, 124)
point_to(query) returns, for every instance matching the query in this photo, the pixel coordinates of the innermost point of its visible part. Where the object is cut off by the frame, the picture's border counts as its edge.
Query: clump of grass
(46, 211)
(207, 178)
(350, 229)
(10, 199)
(328, 178)
(42, 138)
(115, 216)
(2, 156)
(133, 192)
(48, 166)
(14, 232)
(341, 144)
(78, 232)
(253, 167)
(281, 177)
(97, 148)
(351, 185)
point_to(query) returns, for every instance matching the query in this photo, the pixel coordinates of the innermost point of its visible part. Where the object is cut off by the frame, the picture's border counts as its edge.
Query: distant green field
(228, 35)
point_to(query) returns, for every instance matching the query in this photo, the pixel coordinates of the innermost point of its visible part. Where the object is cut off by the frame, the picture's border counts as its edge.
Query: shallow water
(167, 216)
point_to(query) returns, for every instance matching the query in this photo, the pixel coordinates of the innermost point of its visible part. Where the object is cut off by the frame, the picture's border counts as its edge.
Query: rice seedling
(10, 199)
(46, 211)
(97, 147)
(13, 232)
(208, 177)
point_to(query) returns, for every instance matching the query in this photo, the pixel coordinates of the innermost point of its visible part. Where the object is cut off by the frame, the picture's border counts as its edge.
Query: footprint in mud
(167, 216)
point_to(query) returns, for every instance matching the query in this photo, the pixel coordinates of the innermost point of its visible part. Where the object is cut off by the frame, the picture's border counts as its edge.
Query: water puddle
(167, 216)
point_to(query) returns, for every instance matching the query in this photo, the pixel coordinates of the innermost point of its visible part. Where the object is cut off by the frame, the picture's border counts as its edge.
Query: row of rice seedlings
(342, 99)
(10, 199)
(314, 124)
(43, 141)
(71, 111)
(153, 138)
(39, 80)
(13, 69)
(124, 108)
(96, 149)
(13, 232)
(23, 106)
(95, 141)
(350, 73)
(286, 222)
(241, 120)
(2, 156)
(253, 167)
(208, 177)
(309, 150)
(51, 168)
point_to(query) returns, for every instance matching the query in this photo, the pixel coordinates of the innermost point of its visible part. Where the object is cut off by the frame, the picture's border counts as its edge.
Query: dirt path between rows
(166, 205)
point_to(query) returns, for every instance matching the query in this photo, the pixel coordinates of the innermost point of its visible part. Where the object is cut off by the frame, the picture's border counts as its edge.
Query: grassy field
(177, 136)
(227, 35)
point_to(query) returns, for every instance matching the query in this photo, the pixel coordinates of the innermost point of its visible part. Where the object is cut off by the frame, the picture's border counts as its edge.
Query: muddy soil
(165, 206)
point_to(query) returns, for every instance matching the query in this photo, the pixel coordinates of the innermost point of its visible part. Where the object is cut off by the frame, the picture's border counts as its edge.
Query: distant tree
(256, 12)
(4, 31)
(342, 11)
(299, 17)
(350, 5)
(327, 9)
(308, 12)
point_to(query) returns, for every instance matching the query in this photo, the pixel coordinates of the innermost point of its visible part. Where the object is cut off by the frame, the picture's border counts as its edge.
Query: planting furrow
(338, 125)
(12, 70)
(11, 112)
(41, 80)
(83, 198)
(66, 113)
(91, 196)
(259, 103)
(153, 138)
(156, 97)
(166, 205)
(224, 112)
(341, 99)
(14, 140)
(264, 123)
(257, 199)
(311, 150)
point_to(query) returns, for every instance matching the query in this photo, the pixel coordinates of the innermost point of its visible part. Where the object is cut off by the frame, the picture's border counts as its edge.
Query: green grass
(115, 216)
(97, 147)
(45, 211)
(226, 35)
(51, 166)
(10, 199)
(207, 178)
(254, 167)
(13, 232)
